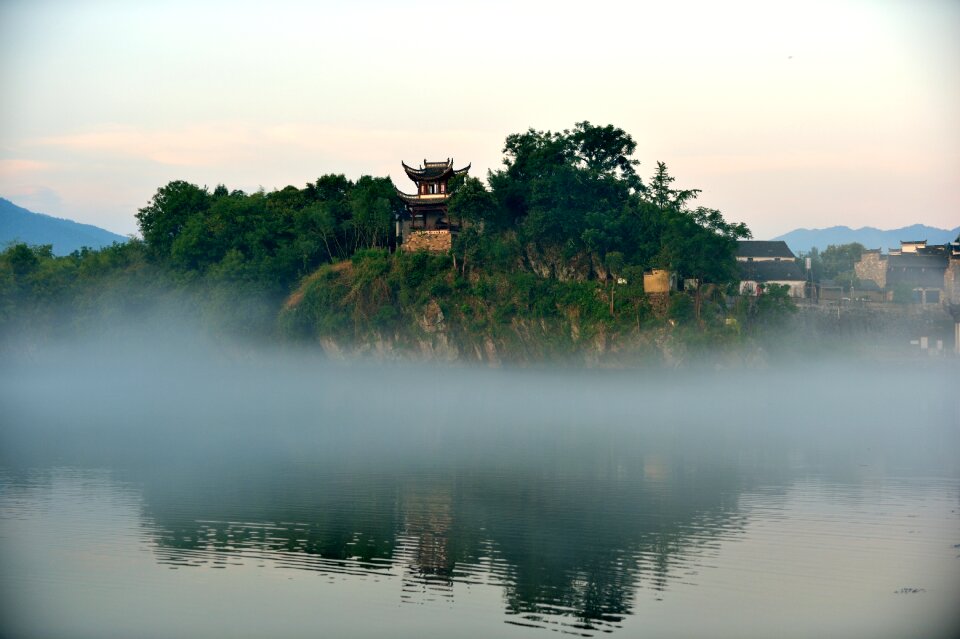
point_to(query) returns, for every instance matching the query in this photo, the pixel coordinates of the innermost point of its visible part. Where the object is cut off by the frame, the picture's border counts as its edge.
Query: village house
(424, 224)
(762, 263)
(929, 273)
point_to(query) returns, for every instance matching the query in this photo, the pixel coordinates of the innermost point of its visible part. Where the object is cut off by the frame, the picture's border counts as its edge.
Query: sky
(785, 114)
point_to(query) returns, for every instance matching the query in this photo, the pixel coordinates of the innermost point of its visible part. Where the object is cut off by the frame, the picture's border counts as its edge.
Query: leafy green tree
(773, 306)
(840, 258)
(615, 263)
(698, 244)
(328, 213)
(665, 198)
(606, 151)
(469, 206)
(23, 259)
(373, 204)
(167, 214)
(553, 181)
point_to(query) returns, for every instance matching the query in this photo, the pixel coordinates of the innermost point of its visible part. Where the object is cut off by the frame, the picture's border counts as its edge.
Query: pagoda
(424, 223)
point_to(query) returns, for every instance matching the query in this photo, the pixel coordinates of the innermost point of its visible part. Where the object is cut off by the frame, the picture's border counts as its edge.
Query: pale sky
(785, 114)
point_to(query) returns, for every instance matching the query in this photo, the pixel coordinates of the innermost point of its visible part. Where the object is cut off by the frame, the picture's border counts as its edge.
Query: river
(163, 495)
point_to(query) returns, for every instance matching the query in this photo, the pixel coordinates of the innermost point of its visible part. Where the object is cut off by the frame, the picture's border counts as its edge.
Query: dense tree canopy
(575, 193)
(271, 238)
(578, 190)
(571, 198)
(836, 262)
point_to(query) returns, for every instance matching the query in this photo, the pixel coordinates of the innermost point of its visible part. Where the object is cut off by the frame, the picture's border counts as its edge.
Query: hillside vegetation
(548, 265)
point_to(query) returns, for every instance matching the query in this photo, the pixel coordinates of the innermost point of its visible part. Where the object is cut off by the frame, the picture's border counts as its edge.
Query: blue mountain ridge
(18, 224)
(802, 240)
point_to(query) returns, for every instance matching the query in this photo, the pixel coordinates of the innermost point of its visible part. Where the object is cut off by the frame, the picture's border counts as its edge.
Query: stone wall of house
(872, 266)
(434, 241)
(657, 281)
(951, 282)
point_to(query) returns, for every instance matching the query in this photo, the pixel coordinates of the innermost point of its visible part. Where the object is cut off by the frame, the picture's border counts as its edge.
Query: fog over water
(201, 490)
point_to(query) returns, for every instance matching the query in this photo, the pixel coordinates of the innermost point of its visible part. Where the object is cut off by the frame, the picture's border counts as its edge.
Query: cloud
(231, 144)
(16, 167)
(196, 145)
(857, 161)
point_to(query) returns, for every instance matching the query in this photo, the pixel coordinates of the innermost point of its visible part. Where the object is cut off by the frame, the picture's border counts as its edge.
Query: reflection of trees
(570, 541)
(321, 522)
(578, 544)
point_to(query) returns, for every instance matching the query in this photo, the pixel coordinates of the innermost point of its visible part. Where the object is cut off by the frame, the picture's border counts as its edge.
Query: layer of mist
(573, 491)
(188, 397)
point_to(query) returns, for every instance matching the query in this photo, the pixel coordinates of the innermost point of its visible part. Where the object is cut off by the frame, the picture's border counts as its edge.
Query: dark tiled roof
(416, 200)
(757, 248)
(432, 171)
(771, 271)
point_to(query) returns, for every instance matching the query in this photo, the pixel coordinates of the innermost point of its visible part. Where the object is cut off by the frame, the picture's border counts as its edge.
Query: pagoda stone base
(433, 241)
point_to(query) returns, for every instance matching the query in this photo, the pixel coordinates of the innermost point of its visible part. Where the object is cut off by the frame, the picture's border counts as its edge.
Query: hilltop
(18, 224)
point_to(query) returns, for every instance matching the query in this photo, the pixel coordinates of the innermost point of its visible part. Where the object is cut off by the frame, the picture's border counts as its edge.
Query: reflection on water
(565, 549)
(622, 507)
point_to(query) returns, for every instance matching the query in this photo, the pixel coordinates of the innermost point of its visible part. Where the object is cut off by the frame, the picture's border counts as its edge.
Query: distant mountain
(805, 239)
(17, 224)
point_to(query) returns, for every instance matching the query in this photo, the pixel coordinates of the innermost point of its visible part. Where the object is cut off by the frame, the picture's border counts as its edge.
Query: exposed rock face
(432, 319)
(550, 262)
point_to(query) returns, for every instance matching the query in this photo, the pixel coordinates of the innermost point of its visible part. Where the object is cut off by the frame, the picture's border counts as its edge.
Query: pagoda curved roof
(423, 200)
(433, 171)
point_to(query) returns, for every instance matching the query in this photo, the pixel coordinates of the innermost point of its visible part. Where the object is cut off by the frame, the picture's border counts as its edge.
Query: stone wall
(872, 266)
(951, 282)
(434, 241)
(657, 281)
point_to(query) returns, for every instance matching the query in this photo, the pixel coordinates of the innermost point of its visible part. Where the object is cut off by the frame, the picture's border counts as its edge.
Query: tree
(568, 190)
(373, 204)
(23, 259)
(167, 214)
(661, 195)
(840, 258)
(470, 205)
(701, 245)
(614, 263)
(606, 151)
(697, 244)
(773, 306)
(547, 171)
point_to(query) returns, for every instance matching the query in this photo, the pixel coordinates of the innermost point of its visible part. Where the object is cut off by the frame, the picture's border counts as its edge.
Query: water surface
(289, 498)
